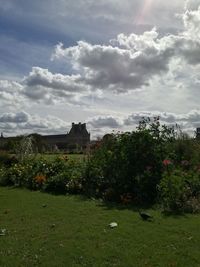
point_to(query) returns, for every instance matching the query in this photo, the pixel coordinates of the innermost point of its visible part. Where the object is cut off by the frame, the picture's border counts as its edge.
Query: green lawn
(71, 231)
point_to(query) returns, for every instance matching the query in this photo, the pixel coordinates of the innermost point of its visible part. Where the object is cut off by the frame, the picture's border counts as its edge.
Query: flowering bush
(143, 166)
(40, 179)
(12, 175)
(51, 176)
(129, 163)
(6, 159)
(74, 186)
(167, 162)
(180, 191)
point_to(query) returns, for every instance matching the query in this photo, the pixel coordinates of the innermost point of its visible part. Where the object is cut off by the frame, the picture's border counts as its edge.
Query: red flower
(166, 162)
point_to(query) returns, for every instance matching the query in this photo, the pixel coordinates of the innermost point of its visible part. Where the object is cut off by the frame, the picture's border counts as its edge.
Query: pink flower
(166, 162)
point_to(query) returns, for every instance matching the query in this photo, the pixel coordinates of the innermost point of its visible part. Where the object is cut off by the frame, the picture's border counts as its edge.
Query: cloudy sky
(106, 62)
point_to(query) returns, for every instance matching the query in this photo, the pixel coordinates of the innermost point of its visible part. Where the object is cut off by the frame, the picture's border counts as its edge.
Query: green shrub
(4, 179)
(129, 163)
(184, 149)
(66, 179)
(74, 186)
(4, 156)
(6, 159)
(41, 174)
(56, 184)
(180, 191)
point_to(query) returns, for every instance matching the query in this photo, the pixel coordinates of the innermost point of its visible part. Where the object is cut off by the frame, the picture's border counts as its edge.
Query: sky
(107, 63)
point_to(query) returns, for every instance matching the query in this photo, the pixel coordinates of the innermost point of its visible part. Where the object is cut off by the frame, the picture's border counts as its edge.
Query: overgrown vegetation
(130, 163)
(54, 176)
(154, 164)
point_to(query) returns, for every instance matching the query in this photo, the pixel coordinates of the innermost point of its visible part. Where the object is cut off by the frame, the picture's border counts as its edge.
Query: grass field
(47, 230)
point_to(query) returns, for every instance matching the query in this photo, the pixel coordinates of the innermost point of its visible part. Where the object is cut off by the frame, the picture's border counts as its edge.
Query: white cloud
(10, 86)
(101, 125)
(11, 94)
(24, 123)
(43, 85)
(192, 4)
(117, 68)
(131, 61)
(188, 122)
(153, 70)
(43, 77)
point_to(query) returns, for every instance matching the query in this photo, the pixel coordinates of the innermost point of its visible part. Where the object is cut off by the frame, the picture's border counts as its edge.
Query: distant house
(77, 139)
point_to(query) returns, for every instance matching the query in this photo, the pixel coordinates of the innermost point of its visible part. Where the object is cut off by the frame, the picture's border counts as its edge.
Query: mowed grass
(48, 230)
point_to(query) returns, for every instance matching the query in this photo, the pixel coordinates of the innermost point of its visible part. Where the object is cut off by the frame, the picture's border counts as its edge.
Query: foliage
(180, 191)
(4, 179)
(184, 148)
(57, 183)
(55, 176)
(129, 163)
(6, 159)
(153, 163)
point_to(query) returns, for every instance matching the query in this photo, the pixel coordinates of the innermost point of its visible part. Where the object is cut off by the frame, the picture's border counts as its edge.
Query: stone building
(77, 139)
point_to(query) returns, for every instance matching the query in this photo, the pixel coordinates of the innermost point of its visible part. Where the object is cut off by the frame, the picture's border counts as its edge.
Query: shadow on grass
(174, 214)
(133, 207)
(108, 205)
(112, 205)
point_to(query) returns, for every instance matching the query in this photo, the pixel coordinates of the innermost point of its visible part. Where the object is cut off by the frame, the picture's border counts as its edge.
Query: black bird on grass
(145, 216)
